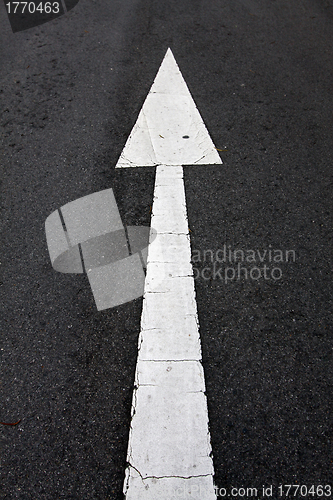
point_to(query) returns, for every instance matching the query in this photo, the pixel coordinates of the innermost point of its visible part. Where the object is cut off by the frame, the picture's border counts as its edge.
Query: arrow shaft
(169, 446)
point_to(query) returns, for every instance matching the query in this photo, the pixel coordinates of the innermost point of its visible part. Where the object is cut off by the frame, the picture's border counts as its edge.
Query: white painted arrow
(169, 450)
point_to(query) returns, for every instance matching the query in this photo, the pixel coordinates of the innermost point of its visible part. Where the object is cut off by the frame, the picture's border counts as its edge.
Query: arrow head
(169, 129)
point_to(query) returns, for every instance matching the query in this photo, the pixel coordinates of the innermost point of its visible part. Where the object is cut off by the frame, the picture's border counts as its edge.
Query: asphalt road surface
(261, 73)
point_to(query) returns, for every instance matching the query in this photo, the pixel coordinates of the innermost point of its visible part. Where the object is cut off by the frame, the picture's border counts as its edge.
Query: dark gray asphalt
(261, 73)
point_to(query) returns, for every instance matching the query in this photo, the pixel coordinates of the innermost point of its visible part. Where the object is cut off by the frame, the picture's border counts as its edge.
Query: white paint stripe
(169, 445)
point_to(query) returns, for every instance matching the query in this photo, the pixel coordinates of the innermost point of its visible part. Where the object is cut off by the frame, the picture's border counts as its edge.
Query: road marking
(169, 115)
(169, 450)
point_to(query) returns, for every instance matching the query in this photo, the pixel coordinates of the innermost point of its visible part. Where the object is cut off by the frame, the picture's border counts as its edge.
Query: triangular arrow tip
(169, 129)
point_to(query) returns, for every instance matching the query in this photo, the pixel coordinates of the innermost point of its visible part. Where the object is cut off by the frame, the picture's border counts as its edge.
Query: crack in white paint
(170, 360)
(169, 443)
(165, 477)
